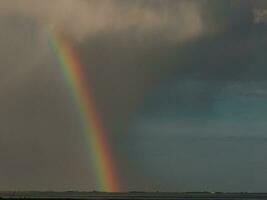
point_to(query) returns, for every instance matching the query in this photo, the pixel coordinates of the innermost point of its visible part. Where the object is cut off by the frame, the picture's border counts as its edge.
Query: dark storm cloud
(128, 48)
(209, 114)
(42, 146)
(202, 130)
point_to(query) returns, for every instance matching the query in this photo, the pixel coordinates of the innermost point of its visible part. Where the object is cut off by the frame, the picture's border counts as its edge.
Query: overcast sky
(180, 85)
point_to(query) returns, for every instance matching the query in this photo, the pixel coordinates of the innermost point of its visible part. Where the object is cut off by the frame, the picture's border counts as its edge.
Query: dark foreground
(132, 195)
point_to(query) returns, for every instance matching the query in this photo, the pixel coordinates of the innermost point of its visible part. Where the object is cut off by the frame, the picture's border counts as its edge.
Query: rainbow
(93, 130)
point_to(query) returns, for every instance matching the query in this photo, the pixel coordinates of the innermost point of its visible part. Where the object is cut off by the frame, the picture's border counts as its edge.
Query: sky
(180, 87)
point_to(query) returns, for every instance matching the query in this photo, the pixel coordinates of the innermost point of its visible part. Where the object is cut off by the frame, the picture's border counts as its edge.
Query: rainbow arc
(72, 70)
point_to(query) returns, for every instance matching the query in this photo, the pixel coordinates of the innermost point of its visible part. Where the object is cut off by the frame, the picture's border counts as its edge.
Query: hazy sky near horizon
(180, 85)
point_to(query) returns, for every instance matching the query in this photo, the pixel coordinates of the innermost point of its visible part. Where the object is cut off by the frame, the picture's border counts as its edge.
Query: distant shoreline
(132, 195)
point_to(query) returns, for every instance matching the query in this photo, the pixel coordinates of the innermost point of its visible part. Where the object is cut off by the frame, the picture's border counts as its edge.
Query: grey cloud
(80, 18)
(21, 51)
(260, 16)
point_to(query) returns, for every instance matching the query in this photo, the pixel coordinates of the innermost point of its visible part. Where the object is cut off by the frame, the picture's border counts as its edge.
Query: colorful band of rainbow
(93, 130)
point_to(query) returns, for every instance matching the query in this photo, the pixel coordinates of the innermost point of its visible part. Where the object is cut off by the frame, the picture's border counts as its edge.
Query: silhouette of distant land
(133, 195)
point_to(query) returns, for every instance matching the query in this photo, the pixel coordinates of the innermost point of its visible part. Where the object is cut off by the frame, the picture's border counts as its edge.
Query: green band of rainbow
(93, 130)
